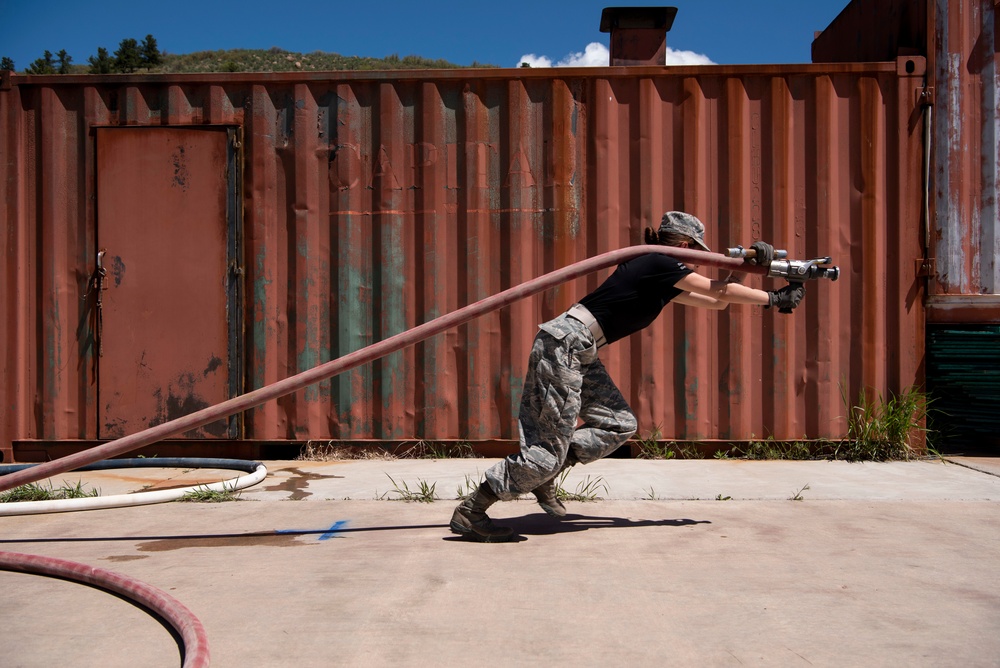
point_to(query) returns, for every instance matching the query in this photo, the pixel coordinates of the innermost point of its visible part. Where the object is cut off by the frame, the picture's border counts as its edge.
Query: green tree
(64, 61)
(102, 64)
(128, 57)
(151, 56)
(43, 65)
(6, 63)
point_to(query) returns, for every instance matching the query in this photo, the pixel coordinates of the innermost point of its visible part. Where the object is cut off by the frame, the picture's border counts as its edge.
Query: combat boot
(470, 519)
(548, 500)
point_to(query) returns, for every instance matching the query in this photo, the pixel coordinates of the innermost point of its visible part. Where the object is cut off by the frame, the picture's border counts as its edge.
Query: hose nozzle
(804, 270)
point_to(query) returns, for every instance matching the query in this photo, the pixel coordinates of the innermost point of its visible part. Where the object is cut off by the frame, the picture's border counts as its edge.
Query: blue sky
(496, 33)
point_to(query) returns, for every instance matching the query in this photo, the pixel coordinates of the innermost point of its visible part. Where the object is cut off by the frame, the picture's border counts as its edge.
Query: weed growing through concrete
(325, 451)
(651, 495)
(36, 492)
(651, 447)
(770, 448)
(586, 490)
(880, 429)
(29, 492)
(77, 491)
(688, 451)
(425, 492)
(205, 494)
(797, 496)
(329, 451)
(436, 450)
(933, 453)
(719, 497)
(466, 489)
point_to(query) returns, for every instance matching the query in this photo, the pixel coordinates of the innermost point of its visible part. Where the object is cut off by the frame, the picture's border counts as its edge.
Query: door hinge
(925, 96)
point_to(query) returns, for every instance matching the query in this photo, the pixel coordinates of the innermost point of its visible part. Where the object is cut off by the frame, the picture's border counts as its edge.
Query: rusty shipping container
(961, 105)
(965, 150)
(254, 225)
(962, 100)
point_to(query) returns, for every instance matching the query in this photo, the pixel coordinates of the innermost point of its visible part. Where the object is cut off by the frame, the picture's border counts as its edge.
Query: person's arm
(706, 293)
(701, 301)
(721, 293)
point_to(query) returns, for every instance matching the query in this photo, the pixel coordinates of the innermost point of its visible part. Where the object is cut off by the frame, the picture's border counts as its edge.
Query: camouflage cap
(686, 224)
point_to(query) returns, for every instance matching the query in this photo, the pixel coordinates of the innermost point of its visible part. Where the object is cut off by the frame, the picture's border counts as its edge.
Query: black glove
(764, 253)
(787, 297)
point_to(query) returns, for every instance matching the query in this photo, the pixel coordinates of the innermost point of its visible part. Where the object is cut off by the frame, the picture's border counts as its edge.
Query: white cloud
(532, 60)
(597, 55)
(687, 58)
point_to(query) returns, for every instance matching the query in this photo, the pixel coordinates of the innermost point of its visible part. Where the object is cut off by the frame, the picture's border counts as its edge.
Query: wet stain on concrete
(125, 557)
(296, 484)
(262, 539)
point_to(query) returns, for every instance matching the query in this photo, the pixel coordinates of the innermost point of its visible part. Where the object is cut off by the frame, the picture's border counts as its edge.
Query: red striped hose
(365, 355)
(188, 626)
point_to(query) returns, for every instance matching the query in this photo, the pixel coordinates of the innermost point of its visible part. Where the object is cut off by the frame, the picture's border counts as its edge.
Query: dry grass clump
(329, 451)
(325, 451)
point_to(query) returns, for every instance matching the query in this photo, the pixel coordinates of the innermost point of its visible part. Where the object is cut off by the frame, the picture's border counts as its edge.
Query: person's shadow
(540, 524)
(535, 524)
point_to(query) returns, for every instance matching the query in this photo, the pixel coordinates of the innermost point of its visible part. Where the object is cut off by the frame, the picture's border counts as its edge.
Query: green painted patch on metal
(691, 400)
(963, 380)
(260, 319)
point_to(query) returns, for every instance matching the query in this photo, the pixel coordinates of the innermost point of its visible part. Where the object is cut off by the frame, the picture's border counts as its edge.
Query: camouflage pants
(566, 385)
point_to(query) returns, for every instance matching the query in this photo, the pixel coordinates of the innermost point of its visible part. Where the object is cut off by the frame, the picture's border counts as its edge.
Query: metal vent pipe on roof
(638, 34)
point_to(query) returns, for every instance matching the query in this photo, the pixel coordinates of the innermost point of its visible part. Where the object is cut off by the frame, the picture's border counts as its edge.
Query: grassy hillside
(279, 60)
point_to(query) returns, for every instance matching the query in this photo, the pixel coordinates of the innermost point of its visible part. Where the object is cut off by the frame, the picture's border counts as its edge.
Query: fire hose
(188, 627)
(791, 270)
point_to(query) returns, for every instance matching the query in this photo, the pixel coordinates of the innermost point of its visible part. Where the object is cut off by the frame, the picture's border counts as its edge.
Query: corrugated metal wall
(962, 115)
(965, 235)
(960, 40)
(375, 202)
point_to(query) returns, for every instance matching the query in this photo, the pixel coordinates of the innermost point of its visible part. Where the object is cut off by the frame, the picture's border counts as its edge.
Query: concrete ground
(680, 563)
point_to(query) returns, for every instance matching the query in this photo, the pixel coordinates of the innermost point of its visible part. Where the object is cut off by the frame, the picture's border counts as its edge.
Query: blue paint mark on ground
(332, 531)
(325, 534)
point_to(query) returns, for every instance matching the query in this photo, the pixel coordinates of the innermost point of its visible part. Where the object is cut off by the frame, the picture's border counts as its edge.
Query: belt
(581, 313)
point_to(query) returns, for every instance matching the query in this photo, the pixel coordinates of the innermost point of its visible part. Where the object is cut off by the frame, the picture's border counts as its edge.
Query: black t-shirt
(635, 293)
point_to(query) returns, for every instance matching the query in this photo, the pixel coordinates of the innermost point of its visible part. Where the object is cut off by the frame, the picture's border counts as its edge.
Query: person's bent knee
(520, 474)
(629, 425)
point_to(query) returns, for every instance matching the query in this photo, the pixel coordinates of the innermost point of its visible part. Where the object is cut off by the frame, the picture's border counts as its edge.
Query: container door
(167, 223)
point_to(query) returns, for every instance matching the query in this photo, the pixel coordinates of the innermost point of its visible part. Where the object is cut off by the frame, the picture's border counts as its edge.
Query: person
(571, 412)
